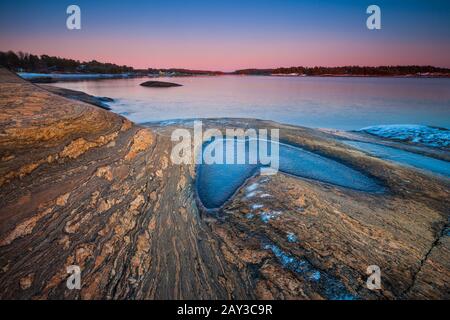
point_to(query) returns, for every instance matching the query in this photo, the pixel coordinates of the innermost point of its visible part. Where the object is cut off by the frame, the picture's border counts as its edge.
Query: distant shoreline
(58, 77)
(60, 68)
(347, 76)
(62, 77)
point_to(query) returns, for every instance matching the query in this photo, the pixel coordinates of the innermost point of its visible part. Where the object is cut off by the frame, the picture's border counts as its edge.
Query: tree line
(350, 70)
(25, 62)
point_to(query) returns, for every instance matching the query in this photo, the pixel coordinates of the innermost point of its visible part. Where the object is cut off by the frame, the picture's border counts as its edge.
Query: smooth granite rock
(83, 186)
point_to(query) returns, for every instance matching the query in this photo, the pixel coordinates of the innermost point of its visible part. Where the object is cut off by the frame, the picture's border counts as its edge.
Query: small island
(160, 84)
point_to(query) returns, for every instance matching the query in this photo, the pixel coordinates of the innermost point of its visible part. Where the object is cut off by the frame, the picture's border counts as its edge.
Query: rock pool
(216, 183)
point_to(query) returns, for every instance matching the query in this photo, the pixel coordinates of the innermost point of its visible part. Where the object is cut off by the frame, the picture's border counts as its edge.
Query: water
(433, 165)
(318, 102)
(216, 183)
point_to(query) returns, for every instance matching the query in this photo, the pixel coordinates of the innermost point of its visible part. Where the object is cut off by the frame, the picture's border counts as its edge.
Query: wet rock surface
(80, 96)
(83, 186)
(42, 80)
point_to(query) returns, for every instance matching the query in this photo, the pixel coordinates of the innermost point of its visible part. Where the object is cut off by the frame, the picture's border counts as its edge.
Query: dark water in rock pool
(216, 183)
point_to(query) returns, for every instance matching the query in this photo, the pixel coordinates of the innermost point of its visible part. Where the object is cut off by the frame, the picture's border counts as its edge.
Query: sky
(228, 34)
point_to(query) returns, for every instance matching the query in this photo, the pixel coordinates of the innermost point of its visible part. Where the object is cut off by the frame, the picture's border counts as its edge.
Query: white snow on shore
(419, 134)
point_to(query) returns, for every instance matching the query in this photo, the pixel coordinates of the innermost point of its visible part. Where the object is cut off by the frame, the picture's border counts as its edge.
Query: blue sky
(231, 34)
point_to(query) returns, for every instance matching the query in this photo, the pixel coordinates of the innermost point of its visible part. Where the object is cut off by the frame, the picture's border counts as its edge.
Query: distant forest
(351, 71)
(26, 62)
(181, 72)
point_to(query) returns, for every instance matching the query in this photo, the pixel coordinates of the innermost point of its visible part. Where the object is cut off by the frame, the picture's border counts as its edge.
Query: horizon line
(235, 70)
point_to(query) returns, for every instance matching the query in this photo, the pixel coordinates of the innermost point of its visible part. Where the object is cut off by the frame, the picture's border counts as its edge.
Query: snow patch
(252, 187)
(251, 194)
(257, 206)
(329, 286)
(249, 216)
(291, 237)
(419, 134)
(267, 216)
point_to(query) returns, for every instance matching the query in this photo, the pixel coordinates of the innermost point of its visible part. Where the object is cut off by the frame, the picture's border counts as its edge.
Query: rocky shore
(80, 185)
(80, 96)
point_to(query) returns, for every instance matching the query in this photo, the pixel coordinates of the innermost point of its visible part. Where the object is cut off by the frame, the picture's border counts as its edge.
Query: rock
(105, 99)
(80, 96)
(69, 196)
(160, 84)
(83, 186)
(42, 80)
(26, 282)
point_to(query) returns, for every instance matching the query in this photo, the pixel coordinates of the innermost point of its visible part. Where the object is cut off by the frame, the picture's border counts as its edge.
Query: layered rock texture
(80, 185)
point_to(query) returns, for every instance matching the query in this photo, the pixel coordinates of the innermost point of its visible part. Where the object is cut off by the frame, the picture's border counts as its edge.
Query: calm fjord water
(318, 102)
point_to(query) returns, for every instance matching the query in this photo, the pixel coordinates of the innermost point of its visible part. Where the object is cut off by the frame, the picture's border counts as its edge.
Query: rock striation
(80, 185)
